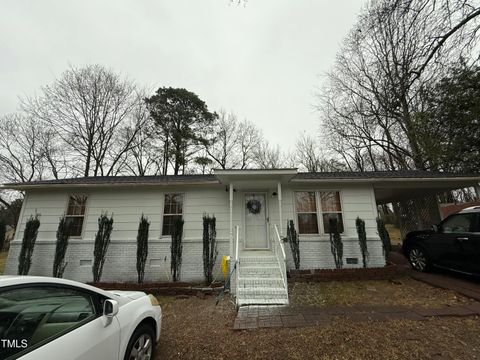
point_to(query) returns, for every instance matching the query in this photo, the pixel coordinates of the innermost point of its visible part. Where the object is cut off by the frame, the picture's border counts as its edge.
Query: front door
(256, 221)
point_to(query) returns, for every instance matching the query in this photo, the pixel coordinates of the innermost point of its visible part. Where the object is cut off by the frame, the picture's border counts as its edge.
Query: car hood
(132, 295)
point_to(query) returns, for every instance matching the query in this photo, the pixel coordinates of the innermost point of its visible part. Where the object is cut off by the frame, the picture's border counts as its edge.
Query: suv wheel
(142, 344)
(418, 259)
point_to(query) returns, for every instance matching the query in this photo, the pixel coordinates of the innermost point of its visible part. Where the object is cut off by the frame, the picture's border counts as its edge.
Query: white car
(56, 319)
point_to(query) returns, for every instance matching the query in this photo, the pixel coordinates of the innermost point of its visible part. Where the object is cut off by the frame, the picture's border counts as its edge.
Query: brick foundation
(377, 273)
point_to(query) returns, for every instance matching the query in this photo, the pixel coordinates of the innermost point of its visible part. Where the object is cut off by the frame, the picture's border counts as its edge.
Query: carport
(415, 195)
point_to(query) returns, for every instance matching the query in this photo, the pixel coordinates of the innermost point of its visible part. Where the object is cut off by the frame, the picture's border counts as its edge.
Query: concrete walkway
(254, 317)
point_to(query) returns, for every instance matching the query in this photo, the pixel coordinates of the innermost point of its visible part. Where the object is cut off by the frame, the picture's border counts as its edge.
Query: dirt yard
(394, 232)
(404, 291)
(195, 328)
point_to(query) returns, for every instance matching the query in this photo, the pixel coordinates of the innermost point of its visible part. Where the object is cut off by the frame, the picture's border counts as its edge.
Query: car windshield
(33, 315)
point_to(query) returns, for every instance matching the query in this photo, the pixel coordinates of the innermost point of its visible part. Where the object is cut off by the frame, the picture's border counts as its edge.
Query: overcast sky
(262, 61)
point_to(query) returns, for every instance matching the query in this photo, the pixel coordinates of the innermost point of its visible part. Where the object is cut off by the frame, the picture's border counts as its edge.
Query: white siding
(128, 203)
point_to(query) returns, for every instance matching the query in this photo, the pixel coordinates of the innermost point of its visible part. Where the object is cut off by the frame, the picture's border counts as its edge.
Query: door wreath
(254, 206)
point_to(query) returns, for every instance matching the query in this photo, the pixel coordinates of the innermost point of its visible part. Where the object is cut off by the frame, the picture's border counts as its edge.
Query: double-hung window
(309, 212)
(306, 208)
(331, 209)
(172, 210)
(75, 215)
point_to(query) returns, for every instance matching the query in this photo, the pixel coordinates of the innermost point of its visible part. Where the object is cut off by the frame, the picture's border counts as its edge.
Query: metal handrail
(237, 231)
(283, 264)
(236, 266)
(279, 239)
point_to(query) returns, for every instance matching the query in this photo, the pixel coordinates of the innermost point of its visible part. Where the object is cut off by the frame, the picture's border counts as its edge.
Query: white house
(251, 209)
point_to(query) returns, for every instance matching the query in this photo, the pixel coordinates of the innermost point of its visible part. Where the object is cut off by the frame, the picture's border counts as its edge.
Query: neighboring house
(250, 206)
(452, 208)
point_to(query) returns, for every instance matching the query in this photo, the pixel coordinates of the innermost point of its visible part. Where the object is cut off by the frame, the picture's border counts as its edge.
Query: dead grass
(405, 292)
(394, 232)
(197, 329)
(3, 260)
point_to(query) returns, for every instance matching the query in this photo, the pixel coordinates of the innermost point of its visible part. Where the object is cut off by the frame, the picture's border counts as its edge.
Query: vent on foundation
(352, 261)
(85, 262)
(155, 262)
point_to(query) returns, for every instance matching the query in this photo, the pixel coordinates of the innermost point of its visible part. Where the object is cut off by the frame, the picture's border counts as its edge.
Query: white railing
(281, 257)
(236, 263)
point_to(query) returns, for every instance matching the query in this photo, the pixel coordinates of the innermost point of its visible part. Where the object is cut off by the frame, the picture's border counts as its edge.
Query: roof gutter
(380, 180)
(102, 185)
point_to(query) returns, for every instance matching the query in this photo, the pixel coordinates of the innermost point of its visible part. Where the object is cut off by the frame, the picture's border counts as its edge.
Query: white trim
(319, 212)
(243, 172)
(21, 186)
(380, 179)
(162, 236)
(84, 214)
(20, 218)
(280, 214)
(230, 197)
(311, 212)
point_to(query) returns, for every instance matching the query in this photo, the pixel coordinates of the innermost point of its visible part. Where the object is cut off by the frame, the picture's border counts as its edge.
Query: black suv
(454, 244)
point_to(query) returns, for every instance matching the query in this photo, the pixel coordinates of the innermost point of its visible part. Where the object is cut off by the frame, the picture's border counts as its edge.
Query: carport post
(279, 195)
(230, 189)
(477, 190)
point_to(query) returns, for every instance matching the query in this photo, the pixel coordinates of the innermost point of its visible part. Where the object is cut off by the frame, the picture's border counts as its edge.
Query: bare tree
(222, 146)
(307, 153)
(374, 90)
(25, 154)
(249, 138)
(233, 144)
(146, 153)
(268, 157)
(90, 110)
(21, 150)
(311, 156)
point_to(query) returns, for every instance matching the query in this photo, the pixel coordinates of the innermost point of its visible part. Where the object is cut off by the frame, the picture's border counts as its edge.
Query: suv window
(459, 223)
(33, 315)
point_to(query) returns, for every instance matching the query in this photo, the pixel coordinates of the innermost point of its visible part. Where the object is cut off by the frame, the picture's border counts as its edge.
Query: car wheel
(418, 259)
(142, 344)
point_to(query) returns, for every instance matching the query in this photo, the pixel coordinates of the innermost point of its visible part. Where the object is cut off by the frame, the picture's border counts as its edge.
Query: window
(460, 223)
(172, 210)
(32, 316)
(331, 209)
(76, 214)
(306, 208)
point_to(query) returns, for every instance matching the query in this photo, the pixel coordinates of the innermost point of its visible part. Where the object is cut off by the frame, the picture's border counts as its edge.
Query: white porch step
(256, 282)
(258, 260)
(260, 293)
(248, 301)
(260, 271)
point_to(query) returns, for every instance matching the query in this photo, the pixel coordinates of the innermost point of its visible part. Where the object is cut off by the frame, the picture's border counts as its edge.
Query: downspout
(280, 216)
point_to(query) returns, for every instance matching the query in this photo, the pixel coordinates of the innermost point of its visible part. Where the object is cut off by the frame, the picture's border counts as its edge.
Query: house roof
(222, 175)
